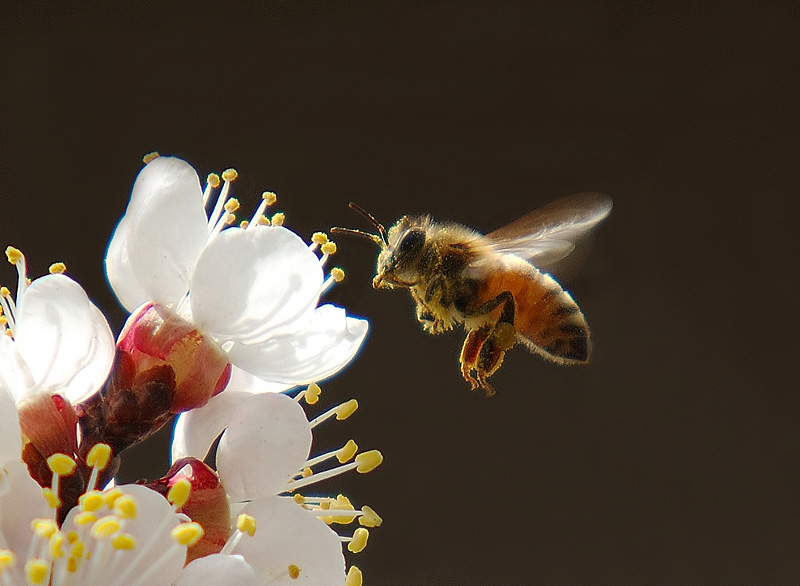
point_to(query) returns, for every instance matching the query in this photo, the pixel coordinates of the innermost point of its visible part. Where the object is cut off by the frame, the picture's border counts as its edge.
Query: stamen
(354, 577)
(7, 560)
(343, 454)
(364, 462)
(311, 394)
(214, 219)
(294, 572)
(267, 199)
(341, 412)
(187, 534)
(91, 501)
(278, 219)
(359, 540)
(328, 249)
(125, 507)
(37, 571)
(98, 458)
(150, 157)
(369, 518)
(179, 493)
(317, 239)
(16, 258)
(58, 268)
(212, 182)
(246, 524)
(336, 276)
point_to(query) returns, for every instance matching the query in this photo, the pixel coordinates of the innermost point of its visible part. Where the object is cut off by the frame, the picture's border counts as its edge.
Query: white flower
(263, 454)
(57, 340)
(254, 289)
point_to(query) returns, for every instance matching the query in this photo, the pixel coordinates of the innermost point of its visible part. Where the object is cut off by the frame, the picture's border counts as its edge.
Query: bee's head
(400, 248)
(398, 261)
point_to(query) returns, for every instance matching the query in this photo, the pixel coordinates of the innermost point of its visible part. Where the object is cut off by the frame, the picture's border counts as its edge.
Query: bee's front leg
(427, 314)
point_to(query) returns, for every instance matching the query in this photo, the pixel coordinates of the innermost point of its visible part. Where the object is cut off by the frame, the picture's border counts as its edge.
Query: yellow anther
(346, 409)
(58, 268)
(343, 503)
(337, 274)
(111, 497)
(244, 224)
(72, 536)
(7, 559)
(232, 205)
(319, 238)
(354, 577)
(37, 571)
(187, 533)
(230, 219)
(368, 461)
(313, 391)
(369, 518)
(213, 180)
(246, 524)
(359, 542)
(150, 157)
(230, 175)
(52, 498)
(125, 507)
(44, 528)
(105, 527)
(84, 518)
(13, 255)
(307, 472)
(347, 451)
(329, 247)
(299, 499)
(325, 505)
(61, 464)
(123, 541)
(55, 547)
(91, 501)
(179, 492)
(263, 221)
(269, 197)
(78, 549)
(99, 456)
(278, 219)
(72, 565)
(294, 572)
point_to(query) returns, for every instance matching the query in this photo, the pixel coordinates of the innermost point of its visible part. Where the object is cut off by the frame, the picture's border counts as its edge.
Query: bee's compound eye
(411, 243)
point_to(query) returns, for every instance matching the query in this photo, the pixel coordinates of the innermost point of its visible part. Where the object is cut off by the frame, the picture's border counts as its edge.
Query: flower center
(93, 546)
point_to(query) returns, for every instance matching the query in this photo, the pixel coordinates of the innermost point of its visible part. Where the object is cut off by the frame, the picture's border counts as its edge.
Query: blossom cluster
(227, 336)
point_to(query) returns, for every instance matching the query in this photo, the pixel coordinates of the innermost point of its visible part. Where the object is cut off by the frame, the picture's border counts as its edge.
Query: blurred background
(673, 457)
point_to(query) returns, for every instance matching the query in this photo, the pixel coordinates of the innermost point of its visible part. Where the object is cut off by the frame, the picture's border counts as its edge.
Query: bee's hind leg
(485, 347)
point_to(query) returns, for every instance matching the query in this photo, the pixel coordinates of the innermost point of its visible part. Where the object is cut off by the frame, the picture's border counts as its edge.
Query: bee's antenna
(379, 239)
(381, 230)
(374, 237)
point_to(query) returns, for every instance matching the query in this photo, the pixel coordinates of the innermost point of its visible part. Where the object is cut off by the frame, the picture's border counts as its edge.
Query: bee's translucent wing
(548, 234)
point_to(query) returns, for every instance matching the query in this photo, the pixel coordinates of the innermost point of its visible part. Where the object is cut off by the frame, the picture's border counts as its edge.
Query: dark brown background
(673, 457)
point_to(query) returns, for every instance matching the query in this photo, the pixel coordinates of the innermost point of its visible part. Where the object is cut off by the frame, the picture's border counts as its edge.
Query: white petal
(20, 503)
(10, 442)
(286, 534)
(120, 272)
(251, 282)
(197, 429)
(89, 380)
(15, 375)
(267, 442)
(244, 382)
(218, 570)
(56, 333)
(165, 229)
(157, 560)
(327, 344)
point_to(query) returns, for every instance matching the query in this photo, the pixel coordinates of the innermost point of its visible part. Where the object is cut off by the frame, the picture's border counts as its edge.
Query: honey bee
(496, 284)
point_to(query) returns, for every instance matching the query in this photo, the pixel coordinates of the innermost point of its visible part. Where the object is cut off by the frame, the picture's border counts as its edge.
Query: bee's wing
(548, 234)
